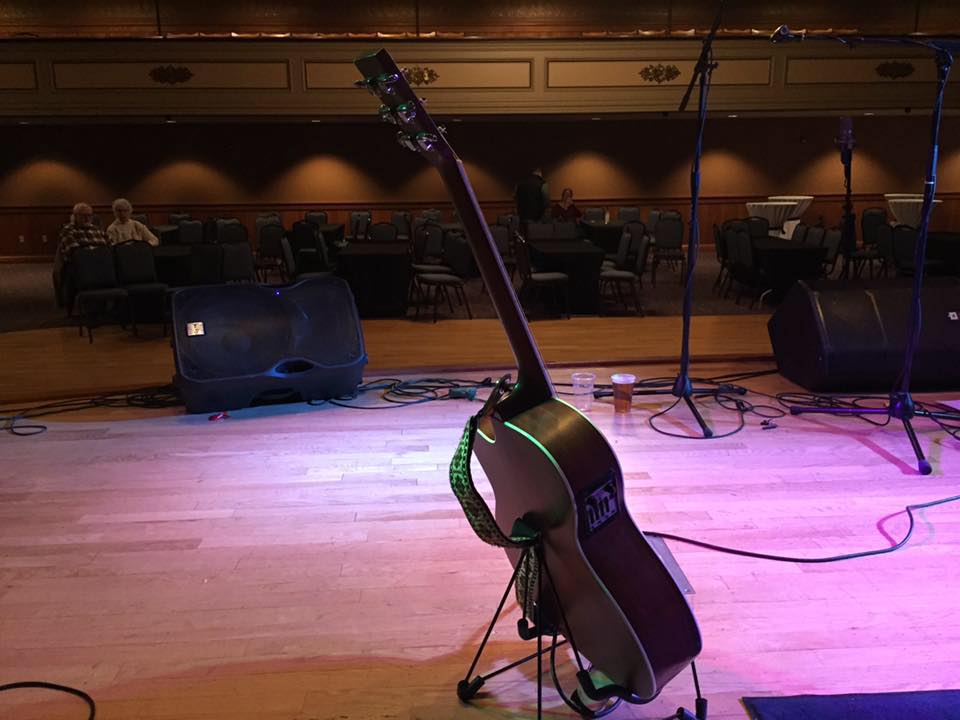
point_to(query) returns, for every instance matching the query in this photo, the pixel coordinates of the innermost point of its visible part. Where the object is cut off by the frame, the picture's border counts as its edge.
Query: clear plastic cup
(622, 391)
(583, 383)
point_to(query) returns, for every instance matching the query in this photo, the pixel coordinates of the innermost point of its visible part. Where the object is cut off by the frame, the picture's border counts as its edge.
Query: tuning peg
(406, 112)
(426, 141)
(406, 142)
(423, 101)
(386, 114)
(442, 129)
(368, 84)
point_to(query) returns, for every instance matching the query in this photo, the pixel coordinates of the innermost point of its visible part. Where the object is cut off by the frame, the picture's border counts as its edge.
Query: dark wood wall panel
(560, 17)
(880, 16)
(485, 17)
(35, 223)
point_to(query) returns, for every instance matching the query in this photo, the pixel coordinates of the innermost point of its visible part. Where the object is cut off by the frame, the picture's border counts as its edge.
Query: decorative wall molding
(659, 73)
(853, 70)
(895, 69)
(590, 73)
(127, 75)
(437, 74)
(18, 76)
(418, 76)
(290, 78)
(171, 74)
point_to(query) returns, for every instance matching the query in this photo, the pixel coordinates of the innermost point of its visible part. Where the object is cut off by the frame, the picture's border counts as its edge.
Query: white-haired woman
(125, 228)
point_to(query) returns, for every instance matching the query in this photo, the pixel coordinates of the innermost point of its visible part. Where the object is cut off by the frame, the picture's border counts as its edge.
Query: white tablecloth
(775, 212)
(906, 208)
(802, 201)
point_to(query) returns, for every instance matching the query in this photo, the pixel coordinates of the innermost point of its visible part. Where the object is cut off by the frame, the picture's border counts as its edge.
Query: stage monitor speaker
(840, 338)
(242, 344)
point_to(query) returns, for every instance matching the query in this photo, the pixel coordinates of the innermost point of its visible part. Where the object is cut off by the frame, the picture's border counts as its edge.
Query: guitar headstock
(400, 106)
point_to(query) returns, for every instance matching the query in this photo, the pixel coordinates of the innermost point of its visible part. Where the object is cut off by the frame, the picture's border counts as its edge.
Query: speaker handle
(292, 366)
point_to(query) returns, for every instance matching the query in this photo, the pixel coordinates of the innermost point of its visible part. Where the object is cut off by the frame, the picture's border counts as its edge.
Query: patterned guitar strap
(479, 515)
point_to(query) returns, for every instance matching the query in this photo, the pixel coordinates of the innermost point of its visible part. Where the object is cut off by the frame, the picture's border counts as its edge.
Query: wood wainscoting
(31, 232)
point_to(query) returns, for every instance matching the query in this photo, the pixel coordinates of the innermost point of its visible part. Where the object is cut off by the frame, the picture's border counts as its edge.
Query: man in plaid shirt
(76, 233)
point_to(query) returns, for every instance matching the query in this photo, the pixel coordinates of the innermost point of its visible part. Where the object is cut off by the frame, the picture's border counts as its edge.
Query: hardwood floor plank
(295, 564)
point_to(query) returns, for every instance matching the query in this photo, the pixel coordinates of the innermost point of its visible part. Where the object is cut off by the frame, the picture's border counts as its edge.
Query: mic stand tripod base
(900, 406)
(684, 390)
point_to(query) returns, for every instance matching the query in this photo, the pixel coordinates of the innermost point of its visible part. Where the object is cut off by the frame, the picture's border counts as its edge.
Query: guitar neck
(533, 385)
(419, 133)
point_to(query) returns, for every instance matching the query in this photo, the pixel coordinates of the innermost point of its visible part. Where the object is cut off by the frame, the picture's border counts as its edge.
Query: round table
(802, 203)
(905, 207)
(776, 212)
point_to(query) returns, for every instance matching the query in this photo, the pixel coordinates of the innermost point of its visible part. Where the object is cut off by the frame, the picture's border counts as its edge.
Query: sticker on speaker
(194, 329)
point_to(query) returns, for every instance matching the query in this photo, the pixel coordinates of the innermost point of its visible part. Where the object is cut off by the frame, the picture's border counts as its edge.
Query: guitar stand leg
(467, 688)
(701, 702)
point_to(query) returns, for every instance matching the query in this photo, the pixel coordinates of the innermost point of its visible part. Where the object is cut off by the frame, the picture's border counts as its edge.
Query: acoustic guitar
(550, 466)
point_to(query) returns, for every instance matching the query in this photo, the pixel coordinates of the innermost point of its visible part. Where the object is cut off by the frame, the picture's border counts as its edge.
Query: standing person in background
(533, 198)
(565, 210)
(79, 231)
(125, 228)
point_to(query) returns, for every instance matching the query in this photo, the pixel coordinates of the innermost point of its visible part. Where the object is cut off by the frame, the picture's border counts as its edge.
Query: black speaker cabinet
(840, 338)
(237, 345)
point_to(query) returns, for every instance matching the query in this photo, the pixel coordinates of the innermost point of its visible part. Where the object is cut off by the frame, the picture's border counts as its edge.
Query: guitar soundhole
(600, 505)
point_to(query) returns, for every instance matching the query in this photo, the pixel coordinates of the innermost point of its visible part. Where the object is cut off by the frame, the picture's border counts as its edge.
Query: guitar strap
(478, 513)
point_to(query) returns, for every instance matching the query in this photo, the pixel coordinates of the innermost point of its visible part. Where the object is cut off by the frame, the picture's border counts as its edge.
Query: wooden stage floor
(56, 363)
(295, 563)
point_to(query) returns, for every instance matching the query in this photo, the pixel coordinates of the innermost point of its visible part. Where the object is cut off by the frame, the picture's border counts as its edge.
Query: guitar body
(552, 467)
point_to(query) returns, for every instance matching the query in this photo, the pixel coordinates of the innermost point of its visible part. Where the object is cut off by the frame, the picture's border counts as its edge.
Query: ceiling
(468, 18)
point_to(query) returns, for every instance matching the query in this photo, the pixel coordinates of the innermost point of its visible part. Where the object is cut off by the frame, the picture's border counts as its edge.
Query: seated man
(125, 228)
(78, 232)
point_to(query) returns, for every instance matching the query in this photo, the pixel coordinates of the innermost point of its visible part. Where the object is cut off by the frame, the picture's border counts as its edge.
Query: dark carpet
(926, 705)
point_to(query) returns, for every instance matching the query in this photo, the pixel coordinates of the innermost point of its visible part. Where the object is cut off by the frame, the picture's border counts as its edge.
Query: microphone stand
(682, 387)
(900, 404)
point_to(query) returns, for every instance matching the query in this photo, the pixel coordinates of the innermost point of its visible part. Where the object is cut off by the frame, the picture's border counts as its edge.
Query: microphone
(784, 34)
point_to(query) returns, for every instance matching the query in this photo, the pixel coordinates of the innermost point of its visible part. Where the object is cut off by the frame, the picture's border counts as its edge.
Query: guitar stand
(610, 696)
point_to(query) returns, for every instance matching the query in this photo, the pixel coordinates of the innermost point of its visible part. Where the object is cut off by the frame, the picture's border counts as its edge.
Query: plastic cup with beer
(622, 391)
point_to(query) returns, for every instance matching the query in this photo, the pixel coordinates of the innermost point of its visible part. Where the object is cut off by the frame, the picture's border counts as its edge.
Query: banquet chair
(98, 290)
(758, 227)
(615, 278)
(532, 283)
(383, 232)
(669, 246)
(831, 243)
(238, 264)
(269, 250)
(137, 274)
(359, 224)
(594, 215)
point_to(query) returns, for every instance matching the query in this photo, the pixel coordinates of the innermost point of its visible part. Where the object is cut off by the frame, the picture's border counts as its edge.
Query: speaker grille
(245, 330)
(242, 330)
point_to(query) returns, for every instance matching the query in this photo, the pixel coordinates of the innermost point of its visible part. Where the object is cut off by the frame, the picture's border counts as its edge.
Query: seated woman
(565, 210)
(125, 228)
